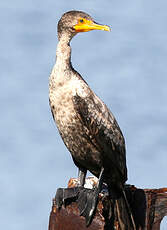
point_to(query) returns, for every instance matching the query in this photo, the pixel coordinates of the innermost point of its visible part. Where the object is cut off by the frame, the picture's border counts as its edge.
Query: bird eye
(81, 20)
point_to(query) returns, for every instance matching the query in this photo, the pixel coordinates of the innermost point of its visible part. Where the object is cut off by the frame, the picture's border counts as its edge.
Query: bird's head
(73, 22)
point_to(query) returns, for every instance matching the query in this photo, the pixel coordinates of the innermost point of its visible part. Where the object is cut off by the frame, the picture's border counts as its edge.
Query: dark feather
(104, 130)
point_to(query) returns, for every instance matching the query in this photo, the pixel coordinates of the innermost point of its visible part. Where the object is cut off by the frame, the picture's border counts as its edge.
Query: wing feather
(104, 129)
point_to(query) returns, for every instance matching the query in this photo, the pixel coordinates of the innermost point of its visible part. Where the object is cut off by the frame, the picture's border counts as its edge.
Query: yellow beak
(88, 25)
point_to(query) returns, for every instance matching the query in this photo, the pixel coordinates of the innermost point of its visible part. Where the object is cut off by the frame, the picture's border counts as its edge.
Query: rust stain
(69, 218)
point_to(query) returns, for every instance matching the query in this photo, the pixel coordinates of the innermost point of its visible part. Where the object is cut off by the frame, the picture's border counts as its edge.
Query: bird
(86, 125)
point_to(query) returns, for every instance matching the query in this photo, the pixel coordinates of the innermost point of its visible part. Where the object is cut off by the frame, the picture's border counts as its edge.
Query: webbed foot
(87, 204)
(65, 196)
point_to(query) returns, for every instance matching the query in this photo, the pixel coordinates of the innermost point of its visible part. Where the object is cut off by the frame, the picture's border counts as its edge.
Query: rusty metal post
(148, 206)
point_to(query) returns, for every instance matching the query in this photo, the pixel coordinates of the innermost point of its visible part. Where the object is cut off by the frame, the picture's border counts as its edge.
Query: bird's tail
(121, 218)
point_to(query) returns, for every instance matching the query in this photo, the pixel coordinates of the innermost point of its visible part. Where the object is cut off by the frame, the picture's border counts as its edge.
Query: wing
(103, 128)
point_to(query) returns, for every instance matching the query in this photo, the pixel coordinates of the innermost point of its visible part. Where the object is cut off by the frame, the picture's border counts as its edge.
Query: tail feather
(129, 210)
(121, 205)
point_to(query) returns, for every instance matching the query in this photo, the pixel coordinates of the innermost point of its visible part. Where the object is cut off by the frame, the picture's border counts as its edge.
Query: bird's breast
(63, 87)
(74, 134)
(62, 105)
(61, 102)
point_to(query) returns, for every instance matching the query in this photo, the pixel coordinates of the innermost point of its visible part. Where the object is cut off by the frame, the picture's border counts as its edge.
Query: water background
(127, 68)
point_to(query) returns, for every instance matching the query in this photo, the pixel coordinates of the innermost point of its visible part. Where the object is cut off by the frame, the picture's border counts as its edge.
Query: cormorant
(87, 127)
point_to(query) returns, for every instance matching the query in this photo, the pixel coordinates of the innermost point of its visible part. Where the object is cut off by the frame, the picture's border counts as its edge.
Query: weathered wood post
(148, 206)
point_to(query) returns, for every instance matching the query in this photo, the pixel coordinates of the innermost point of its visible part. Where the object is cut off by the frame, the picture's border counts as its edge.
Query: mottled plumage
(86, 125)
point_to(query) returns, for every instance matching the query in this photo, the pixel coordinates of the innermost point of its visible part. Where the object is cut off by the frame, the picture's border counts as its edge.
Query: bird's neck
(63, 55)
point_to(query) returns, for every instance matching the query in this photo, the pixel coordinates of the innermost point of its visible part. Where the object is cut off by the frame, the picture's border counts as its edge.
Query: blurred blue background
(126, 68)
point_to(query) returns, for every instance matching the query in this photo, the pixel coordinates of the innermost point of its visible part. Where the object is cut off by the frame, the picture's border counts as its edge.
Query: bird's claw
(87, 200)
(66, 195)
(59, 198)
(87, 203)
